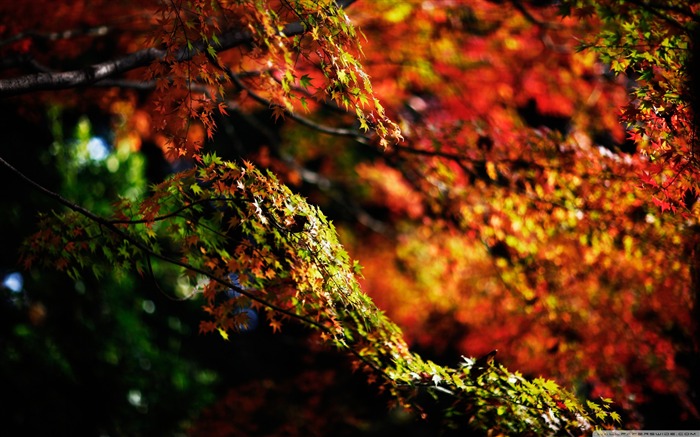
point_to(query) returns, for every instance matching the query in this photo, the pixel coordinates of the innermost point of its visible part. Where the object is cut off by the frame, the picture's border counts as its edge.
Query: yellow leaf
(223, 333)
(491, 170)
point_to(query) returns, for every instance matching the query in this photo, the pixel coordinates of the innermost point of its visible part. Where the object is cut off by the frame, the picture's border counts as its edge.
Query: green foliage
(640, 42)
(649, 44)
(91, 354)
(221, 218)
(101, 353)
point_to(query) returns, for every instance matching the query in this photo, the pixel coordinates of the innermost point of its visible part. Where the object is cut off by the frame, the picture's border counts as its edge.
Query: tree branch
(85, 76)
(96, 72)
(111, 225)
(531, 18)
(350, 133)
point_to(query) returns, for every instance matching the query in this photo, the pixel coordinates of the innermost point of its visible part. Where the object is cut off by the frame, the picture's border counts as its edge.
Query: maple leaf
(305, 81)
(196, 189)
(276, 325)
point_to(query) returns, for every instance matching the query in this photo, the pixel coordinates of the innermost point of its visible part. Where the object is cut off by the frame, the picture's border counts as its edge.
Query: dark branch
(684, 11)
(111, 226)
(656, 10)
(94, 73)
(97, 72)
(85, 76)
(355, 135)
(531, 18)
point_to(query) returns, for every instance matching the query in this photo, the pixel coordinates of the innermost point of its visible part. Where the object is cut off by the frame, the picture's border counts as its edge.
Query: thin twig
(357, 136)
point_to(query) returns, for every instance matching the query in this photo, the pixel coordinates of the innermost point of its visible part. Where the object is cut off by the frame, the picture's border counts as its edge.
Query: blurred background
(510, 218)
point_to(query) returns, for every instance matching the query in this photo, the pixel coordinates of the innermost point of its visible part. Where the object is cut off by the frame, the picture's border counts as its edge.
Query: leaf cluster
(650, 44)
(243, 239)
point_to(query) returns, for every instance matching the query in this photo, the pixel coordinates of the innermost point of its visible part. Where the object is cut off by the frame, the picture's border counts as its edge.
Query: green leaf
(211, 51)
(305, 81)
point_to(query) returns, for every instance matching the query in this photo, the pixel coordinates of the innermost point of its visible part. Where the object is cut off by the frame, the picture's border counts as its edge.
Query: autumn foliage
(518, 176)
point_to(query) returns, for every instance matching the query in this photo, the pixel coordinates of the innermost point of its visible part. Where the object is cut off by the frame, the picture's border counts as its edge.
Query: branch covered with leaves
(651, 44)
(244, 240)
(294, 45)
